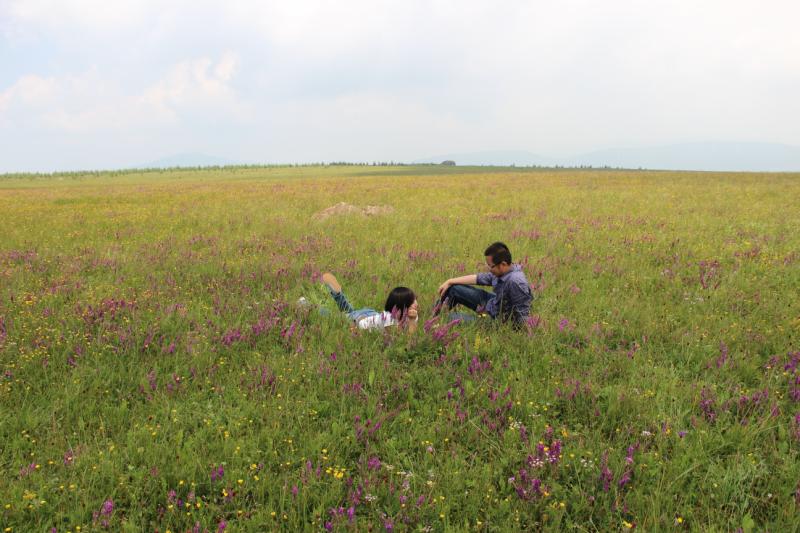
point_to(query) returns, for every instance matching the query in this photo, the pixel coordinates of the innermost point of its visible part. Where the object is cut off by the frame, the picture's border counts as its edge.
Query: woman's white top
(377, 321)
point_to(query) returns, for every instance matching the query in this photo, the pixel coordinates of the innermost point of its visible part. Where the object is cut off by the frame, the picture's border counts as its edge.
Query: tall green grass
(157, 373)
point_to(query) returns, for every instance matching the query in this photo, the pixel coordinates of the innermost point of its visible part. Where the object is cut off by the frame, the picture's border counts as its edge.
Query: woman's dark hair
(499, 253)
(401, 299)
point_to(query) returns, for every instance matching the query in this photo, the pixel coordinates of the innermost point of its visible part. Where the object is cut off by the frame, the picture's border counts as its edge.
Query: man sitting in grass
(512, 293)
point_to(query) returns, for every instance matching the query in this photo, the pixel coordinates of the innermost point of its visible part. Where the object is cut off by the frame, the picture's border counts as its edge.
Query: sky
(98, 84)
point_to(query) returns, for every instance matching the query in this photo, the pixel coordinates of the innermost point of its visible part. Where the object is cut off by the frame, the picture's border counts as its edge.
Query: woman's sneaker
(331, 282)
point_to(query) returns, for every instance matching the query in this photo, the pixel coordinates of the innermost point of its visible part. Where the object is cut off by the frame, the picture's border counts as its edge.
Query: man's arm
(471, 279)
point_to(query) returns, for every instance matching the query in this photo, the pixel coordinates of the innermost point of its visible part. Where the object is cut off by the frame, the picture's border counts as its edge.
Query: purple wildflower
(606, 476)
(723, 355)
(444, 335)
(555, 452)
(533, 323)
(796, 424)
(477, 367)
(629, 455)
(231, 336)
(27, 470)
(374, 463)
(709, 274)
(523, 433)
(151, 379)
(708, 404)
(108, 507)
(527, 488)
(791, 365)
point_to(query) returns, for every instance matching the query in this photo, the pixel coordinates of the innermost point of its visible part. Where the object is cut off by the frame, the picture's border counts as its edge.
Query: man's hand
(443, 287)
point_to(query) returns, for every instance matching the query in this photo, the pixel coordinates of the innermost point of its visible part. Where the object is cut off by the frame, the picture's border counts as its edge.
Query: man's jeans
(468, 296)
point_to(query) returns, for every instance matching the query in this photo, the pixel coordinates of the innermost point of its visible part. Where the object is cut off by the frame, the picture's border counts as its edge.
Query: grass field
(156, 373)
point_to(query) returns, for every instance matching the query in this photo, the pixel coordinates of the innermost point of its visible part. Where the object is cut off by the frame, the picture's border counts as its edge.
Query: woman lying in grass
(400, 309)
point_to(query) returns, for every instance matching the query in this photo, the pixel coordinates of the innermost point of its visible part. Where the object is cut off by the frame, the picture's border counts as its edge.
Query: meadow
(157, 373)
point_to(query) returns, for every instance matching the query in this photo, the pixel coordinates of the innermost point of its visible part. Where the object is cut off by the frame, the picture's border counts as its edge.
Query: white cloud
(81, 15)
(89, 102)
(30, 91)
(201, 85)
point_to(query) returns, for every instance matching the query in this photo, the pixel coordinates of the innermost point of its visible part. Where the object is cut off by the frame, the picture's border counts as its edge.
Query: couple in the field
(510, 299)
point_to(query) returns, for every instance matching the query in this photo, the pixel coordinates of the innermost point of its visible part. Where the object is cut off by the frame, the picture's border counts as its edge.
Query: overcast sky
(88, 84)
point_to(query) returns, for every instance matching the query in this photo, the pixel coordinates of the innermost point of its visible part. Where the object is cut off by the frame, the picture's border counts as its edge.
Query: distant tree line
(77, 174)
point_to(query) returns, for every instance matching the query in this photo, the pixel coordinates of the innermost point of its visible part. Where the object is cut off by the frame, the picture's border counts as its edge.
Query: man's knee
(465, 295)
(457, 290)
(455, 294)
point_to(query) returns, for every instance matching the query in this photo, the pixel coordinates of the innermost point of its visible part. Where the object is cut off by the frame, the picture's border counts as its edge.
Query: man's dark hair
(401, 298)
(499, 253)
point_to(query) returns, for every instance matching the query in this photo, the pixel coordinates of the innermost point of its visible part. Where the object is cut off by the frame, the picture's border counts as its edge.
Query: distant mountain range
(722, 156)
